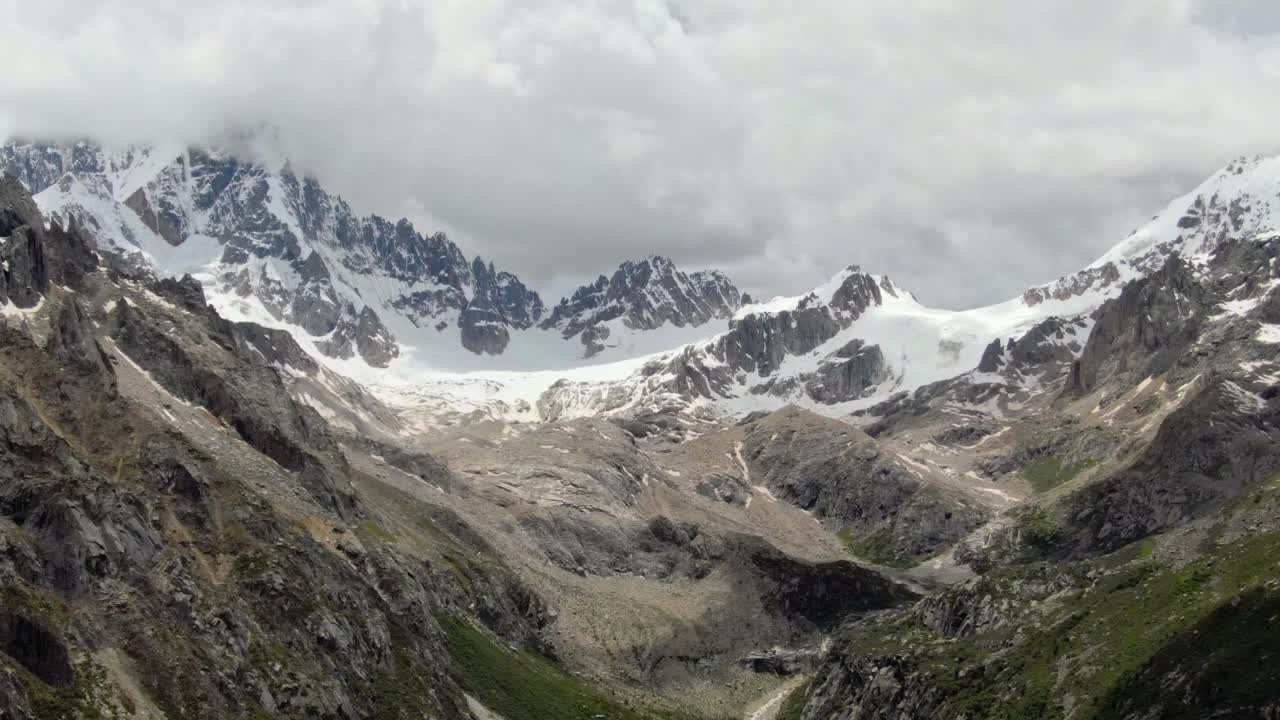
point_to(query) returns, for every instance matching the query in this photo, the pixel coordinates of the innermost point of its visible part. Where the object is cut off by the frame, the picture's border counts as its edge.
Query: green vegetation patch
(41, 606)
(86, 700)
(373, 529)
(1038, 528)
(793, 707)
(1237, 651)
(252, 563)
(523, 686)
(61, 704)
(404, 692)
(1116, 641)
(877, 547)
(1049, 471)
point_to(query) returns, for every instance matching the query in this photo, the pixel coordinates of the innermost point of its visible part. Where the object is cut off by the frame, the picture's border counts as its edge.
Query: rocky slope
(180, 538)
(1149, 535)
(197, 519)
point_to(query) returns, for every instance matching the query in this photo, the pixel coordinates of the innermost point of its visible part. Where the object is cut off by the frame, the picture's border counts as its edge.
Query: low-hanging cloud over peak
(966, 148)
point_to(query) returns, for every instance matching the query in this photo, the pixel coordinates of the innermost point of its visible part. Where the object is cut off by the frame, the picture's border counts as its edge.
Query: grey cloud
(1246, 17)
(965, 148)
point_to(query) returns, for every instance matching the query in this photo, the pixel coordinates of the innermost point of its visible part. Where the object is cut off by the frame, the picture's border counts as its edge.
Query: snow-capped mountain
(276, 247)
(859, 339)
(362, 292)
(1241, 200)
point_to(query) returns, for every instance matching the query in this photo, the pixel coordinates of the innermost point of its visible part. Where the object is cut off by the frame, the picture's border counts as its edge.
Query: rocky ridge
(359, 286)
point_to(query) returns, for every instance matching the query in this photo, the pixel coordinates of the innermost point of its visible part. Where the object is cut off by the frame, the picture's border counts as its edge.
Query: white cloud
(966, 148)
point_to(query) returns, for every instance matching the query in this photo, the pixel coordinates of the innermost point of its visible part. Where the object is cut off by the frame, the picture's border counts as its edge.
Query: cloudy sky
(966, 148)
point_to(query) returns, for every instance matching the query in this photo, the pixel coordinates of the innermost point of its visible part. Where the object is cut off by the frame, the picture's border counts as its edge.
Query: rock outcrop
(842, 476)
(643, 295)
(1144, 330)
(73, 344)
(1213, 449)
(758, 341)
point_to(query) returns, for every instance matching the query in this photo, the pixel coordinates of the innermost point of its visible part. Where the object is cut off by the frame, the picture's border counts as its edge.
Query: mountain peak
(661, 262)
(275, 247)
(642, 295)
(1241, 200)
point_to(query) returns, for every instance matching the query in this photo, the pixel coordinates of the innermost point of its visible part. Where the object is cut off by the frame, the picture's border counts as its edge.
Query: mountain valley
(268, 457)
